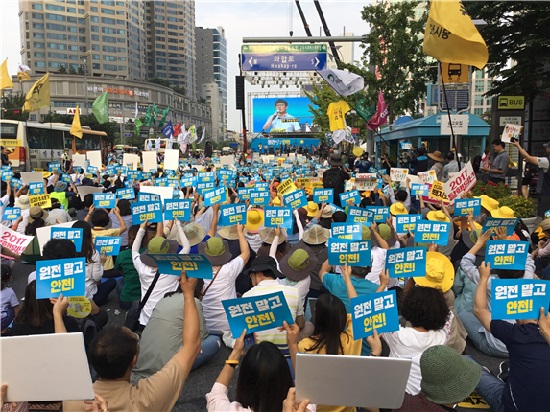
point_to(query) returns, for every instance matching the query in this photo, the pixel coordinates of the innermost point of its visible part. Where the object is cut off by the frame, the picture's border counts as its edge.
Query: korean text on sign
(461, 183)
(44, 201)
(286, 186)
(374, 311)
(432, 232)
(11, 213)
(351, 231)
(195, 266)
(75, 235)
(506, 254)
(404, 223)
(494, 222)
(148, 197)
(105, 200)
(518, 298)
(257, 313)
(323, 195)
(358, 215)
(151, 211)
(398, 175)
(215, 196)
(244, 193)
(463, 207)
(125, 193)
(259, 197)
(14, 241)
(278, 216)
(108, 245)
(177, 209)
(420, 189)
(350, 198)
(406, 262)
(66, 276)
(36, 188)
(349, 252)
(378, 213)
(232, 214)
(296, 199)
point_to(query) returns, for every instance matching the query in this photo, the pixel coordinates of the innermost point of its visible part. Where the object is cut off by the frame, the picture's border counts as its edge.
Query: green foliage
(518, 31)
(162, 82)
(12, 105)
(521, 206)
(111, 128)
(496, 191)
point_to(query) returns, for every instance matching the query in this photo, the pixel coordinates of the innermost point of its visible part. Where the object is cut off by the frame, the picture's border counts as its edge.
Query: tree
(179, 90)
(162, 82)
(12, 107)
(62, 70)
(517, 31)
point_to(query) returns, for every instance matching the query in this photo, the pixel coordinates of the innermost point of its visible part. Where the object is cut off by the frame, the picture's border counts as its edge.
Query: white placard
(292, 156)
(85, 190)
(227, 160)
(149, 160)
(398, 175)
(414, 179)
(463, 182)
(28, 177)
(58, 364)
(128, 158)
(79, 160)
(366, 181)
(14, 241)
(427, 177)
(460, 124)
(171, 159)
(265, 158)
(511, 131)
(94, 157)
(163, 192)
(44, 234)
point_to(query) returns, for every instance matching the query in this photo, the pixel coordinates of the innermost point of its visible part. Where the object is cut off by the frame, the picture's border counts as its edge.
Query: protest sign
(374, 311)
(16, 183)
(205, 177)
(79, 307)
(494, 222)
(36, 188)
(349, 252)
(296, 199)
(108, 245)
(54, 167)
(432, 232)
(171, 159)
(163, 192)
(149, 160)
(86, 190)
(286, 186)
(398, 175)
(350, 198)
(179, 209)
(406, 262)
(188, 181)
(7, 175)
(404, 223)
(130, 159)
(257, 313)
(151, 211)
(506, 254)
(203, 187)
(161, 181)
(127, 193)
(148, 197)
(278, 216)
(323, 195)
(259, 197)
(366, 181)
(104, 200)
(463, 207)
(66, 276)
(44, 201)
(461, 183)
(75, 235)
(232, 214)
(215, 196)
(420, 189)
(11, 213)
(378, 213)
(14, 241)
(336, 208)
(244, 192)
(30, 177)
(195, 266)
(437, 193)
(518, 298)
(358, 215)
(351, 231)
(428, 177)
(511, 131)
(94, 158)
(227, 160)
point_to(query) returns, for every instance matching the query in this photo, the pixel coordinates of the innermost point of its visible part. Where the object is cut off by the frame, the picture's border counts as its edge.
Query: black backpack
(333, 179)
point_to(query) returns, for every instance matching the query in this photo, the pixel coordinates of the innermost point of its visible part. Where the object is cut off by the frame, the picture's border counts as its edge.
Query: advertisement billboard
(281, 115)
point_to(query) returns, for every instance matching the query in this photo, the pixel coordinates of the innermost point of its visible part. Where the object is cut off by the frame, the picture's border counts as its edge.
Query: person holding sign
(527, 386)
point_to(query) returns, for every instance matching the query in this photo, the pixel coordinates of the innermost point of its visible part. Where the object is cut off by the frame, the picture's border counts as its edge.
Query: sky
(257, 18)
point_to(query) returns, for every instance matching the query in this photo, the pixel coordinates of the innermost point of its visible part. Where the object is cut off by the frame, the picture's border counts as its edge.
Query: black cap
(266, 265)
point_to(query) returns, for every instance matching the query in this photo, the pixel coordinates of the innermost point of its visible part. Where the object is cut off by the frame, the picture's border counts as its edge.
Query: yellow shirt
(336, 115)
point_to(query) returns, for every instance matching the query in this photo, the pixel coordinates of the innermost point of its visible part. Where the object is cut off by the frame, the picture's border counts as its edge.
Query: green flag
(100, 108)
(364, 109)
(137, 125)
(164, 114)
(154, 114)
(148, 116)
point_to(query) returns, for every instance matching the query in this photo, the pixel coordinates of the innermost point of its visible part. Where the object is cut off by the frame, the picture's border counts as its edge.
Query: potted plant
(523, 208)
(495, 190)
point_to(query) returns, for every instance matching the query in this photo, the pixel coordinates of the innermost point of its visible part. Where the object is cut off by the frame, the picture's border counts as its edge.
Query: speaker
(239, 92)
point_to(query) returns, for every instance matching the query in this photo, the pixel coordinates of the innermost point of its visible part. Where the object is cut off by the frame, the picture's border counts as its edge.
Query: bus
(33, 145)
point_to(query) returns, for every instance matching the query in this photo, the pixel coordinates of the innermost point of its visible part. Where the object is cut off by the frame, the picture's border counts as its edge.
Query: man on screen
(281, 121)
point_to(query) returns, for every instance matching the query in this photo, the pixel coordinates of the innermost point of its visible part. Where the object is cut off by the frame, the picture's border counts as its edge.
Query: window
(110, 58)
(37, 6)
(96, 66)
(71, 10)
(40, 64)
(95, 47)
(107, 11)
(72, 38)
(96, 57)
(38, 35)
(109, 49)
(94, 29)
(110, 67)
(56, 36)
(108, 39)
(38, 45)
(37, 16)
(95, 19)
(39, 55)
(121, 68)
(73, 47)
(108, 20)
(95, 37)
(54, 7)
(38, 26)
(121, 49)
(55, 65)
(57, 17)
(93, 9)
(58, 55)
(71, 19)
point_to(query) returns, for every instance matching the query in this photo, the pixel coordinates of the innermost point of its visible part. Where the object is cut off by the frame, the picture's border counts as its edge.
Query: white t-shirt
(223, 288)
(25, 213)
(4, 202)
(94, 273)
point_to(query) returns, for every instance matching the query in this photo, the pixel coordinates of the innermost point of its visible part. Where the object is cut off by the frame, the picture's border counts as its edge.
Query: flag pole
(449, 114)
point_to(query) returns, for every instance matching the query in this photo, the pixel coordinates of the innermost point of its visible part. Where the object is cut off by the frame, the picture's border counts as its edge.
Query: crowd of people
(182, 323)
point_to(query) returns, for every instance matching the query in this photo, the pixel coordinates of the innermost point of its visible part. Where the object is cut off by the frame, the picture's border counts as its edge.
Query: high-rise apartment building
(211, 51)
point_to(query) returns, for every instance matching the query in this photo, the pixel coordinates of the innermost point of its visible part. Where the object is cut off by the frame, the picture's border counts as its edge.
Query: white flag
(203, 134)
(345, 83)
(136, 112)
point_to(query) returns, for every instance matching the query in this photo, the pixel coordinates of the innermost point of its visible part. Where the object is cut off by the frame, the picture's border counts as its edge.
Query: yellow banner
(437, 192)
(303, 182)
(287, 186)
(44, 201)
(10, 142)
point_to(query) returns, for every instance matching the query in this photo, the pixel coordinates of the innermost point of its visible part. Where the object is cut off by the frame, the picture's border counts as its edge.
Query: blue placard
(17, 183)
(464, 206)
(66, 178)
(120, 170)
(351, 231)
(506, 254)
(215, 196)
(104, 200)
(350, 198)
(244, 192)
(296, 199)
(92, 169)
(135, 175)
(36, 188)
(336, 208)
(54, 167)
(278, 216)
(378, 213)
(205, 186)
(232, 214)
(7, 175)
(108, 245)
(494, 222)
(358, 215)
(172, 182)
(406, 262)
(374, 311)
(161, 181)
(11, 213)
(323, 195)
(261, 185)
(177, 209)
(420, 189)
(432, 232)
(244, 179)
(127, 193)
(349, 252)
(73, 234)
(148, 197)
(66, 276)
(404, 223)
(518, 298)
(204, 177)
(188, 181)
(142, 211)
(195, 266)
(257, 313)
(259, 197)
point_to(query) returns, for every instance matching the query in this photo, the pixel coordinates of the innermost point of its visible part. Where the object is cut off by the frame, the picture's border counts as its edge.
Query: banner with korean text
(374, 311)
(461, 183)
(195, 266)
(66, 276)
(349, 252)
(406, 262)
(513, 299)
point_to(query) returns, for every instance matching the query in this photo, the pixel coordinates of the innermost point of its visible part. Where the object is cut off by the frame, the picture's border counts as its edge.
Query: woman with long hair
(125, 211)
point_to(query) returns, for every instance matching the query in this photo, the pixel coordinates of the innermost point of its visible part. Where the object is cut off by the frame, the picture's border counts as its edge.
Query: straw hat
(437, 156)
(316, 235)
(398, 208)
(488, 203)
(440, 273)
(545, 224)
(37, 212)
(22, 202)
(437, 215)
(327, 212)
(267, 234)
(229, 232)
(194, 232)
(216, 250)
(503, 212)
(297, 264)
(254, 220)
(312, 209)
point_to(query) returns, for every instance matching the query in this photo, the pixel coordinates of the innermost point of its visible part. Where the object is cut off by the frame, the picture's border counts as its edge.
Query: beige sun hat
(194, 233)
(316, 235)
(267, 234)
(229, 232)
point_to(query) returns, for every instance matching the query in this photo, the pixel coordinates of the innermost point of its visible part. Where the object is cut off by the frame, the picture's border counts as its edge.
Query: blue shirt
(336, 285)
(286, 123)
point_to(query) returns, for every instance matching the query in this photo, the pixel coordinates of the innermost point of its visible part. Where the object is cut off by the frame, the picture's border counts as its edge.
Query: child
(9, 305)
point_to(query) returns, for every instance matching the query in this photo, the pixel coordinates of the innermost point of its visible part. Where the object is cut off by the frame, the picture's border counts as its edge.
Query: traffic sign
(458, 98)
(511, 102)
(455, 72)
(282, 57)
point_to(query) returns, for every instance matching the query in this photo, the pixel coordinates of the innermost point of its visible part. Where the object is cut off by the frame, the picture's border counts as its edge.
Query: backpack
(333, 179)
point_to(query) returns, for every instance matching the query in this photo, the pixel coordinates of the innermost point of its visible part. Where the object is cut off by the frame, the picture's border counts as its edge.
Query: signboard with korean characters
(323, 195)
(495, 222)
(465, 207)
(398, 175)
(278, 217)
(104, 200)
(350, 198)
(366, 181)
(232, 214)
(513, 299)
(358, 215)
(405, 223)
(428, 231)
(215, 196)
(151, 211)
(378, 213)
(427, 177)
(351, 231)
(75, 235)
(349, 252)
(406, 262)
(66, 276)
(461, 183)
(506, 254)
(195, 266)
(374, 311)
(110, 246)
(296, 199)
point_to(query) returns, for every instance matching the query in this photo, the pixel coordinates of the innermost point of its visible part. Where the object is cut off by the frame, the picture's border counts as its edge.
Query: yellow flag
(5, 78)
(23, 76)
(39, 95)
(76, 127)
(451, 36)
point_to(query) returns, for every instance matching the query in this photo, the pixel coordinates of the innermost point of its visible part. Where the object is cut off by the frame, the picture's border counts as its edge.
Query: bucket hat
(266, 265)
(254, 220)
(316, 235)
(158, 246)
(37, 212)
(440, 273)
(229, 232)
(23, 202)
(216, 250)
(267, 234)
(194, 232)
(297, 264)
(437, 156)
(312, 209)
(398, 208)
(437, 215)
